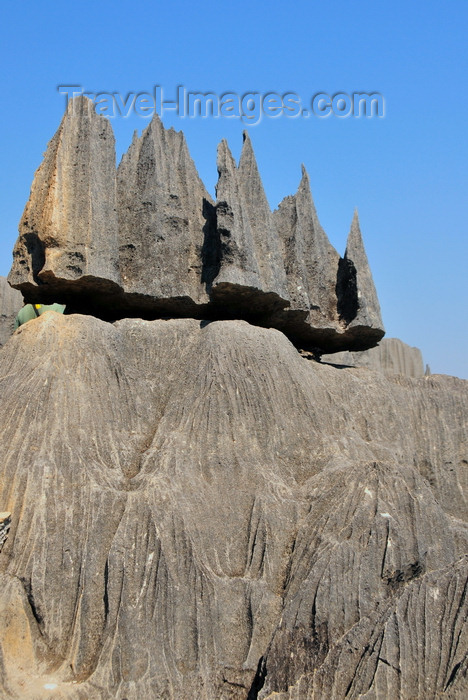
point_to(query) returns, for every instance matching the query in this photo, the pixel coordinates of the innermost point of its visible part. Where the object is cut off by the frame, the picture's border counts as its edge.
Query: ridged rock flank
(163, 213)
(266, 241)
(68, 232)
(149, 242)
(311, 265)
(251, 268)
(11, 302)
(391, 356)
(197, 511)
(359, 282)
(310, 259)
(238, 264)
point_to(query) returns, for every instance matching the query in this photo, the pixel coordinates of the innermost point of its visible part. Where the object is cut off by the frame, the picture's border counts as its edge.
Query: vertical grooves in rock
(273, 516)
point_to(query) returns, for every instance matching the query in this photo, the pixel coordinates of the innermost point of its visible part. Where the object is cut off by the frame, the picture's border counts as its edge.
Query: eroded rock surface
(164, 214)
(391, 356)
(197, 511)
(148, 241)
(11, 302)
(68, 240)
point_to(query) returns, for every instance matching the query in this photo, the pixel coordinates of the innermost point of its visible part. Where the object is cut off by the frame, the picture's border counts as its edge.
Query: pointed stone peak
(162, 158)
(161, 211)
(156, 120)
(251, 181)
(223, 149)
(225, 161)
(154, 130)
(81, 106)
(355, 236)
(305, 201)
(355, 244)
(304, 183)
(246, 138)
(368, 307)
(247, 161)
(169, 143)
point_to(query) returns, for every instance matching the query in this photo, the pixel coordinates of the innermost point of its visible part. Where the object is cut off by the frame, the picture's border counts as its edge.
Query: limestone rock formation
(328, 308)
(358, 304)
(11, 302)
(68, 238)
(391, 356)
(251, 268)
(164, 211)
(197, 511)
(147, 241)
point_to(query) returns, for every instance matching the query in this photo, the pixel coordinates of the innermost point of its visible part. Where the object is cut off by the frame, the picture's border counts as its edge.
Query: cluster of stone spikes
(147, 240)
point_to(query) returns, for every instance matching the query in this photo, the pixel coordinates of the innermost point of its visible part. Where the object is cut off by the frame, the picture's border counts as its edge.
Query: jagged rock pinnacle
(162, 214)
(251, 272)
(148, 241)
(68, 231)
(368, 311)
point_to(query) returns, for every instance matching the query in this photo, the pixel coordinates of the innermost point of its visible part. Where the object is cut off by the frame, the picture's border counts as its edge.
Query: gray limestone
(358, 280)
(164, 211)
(11, 302)
(251, 272)
(147, 241)
(196, 511)
(391, 356)
(311, 265)
(310, 260)
(68, 232)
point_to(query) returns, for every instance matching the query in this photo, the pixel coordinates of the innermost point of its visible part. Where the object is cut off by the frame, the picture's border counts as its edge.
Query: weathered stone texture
(149, 242)
(251, 271)
(358, 280)
(197, 511)
(164, 211)
(68, 232)
(391, 356)
(11, 302)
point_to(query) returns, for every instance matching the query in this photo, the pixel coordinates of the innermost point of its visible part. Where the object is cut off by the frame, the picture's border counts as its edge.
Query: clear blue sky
(406, 173)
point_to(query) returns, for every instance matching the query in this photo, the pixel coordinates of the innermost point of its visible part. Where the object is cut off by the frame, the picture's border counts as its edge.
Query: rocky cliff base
(197, 511)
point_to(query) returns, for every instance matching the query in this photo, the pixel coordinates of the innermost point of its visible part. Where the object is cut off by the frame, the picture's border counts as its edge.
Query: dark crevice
(35, 250)
(387, 663)
(32, 604)
(259, 680)
(402, 576)
(106, 590)
(455, 670)
(211, 249)
(347, 290)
